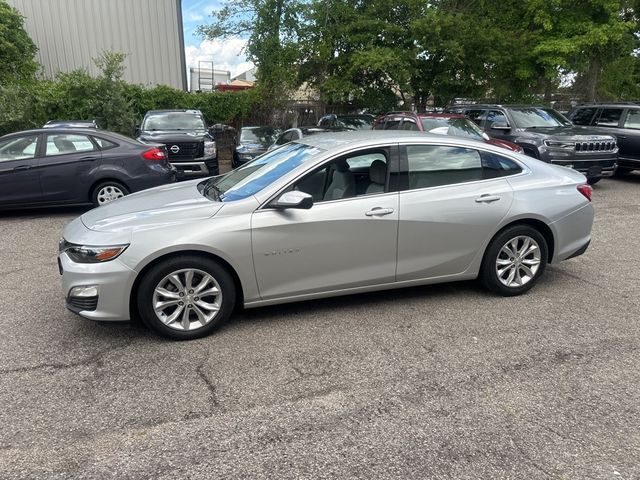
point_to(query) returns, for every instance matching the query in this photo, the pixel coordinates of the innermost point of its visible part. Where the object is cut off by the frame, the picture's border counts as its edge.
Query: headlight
(561, 145)
(90, 253)
(209, 149)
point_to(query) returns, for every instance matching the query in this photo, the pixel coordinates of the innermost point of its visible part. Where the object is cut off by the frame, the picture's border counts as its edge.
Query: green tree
(17, 50)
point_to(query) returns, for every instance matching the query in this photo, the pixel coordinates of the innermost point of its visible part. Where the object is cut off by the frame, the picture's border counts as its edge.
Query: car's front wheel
(186, 297)
(514, 260)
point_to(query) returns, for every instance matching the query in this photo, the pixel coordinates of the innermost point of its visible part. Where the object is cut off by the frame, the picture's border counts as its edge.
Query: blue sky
(226, 55)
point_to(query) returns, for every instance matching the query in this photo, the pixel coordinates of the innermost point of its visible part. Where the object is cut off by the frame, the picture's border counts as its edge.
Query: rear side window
(494, 166)
(583, 116)
(66, 143)
(104, 144)
(392, 124)
(633, 120)
(409, 125)
(609, 117)
(434, 165)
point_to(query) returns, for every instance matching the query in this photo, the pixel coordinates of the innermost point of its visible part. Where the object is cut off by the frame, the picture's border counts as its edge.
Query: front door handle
(487, 198)
(379, 212)
(22, 167)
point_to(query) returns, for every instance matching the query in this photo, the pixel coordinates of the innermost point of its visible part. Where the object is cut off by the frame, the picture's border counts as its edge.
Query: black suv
(547, 135)
(622, 120)
(190, 144)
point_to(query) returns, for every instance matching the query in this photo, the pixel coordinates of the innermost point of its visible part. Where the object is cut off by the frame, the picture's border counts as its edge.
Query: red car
(440, 123)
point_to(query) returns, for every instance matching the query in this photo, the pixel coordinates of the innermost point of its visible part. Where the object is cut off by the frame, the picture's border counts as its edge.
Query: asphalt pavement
(438, 382)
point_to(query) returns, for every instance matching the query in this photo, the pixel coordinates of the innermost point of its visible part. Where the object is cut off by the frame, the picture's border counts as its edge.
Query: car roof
(609, 104)
(86, 131)
(363, 138)
(175, 110)
(495, 105)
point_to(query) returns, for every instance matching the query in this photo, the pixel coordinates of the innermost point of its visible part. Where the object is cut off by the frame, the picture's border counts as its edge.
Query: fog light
(85, 291)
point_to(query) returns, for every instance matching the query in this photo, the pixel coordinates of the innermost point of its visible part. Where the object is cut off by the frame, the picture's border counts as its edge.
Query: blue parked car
(62, 166)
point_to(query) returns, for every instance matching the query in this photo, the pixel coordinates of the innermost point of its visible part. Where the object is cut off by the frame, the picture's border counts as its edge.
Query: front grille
(186, 150)
(88, 304)
(590, 147)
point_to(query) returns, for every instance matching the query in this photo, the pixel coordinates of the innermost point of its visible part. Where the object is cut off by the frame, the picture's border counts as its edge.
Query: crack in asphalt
(97, 359)
(211, 387)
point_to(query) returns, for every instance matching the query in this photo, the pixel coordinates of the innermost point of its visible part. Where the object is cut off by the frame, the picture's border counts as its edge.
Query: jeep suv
(622, 120)
(547, 135)
(191, 147)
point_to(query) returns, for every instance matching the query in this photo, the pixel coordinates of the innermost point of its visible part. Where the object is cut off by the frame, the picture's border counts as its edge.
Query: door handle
(22, 167)
(487, 198)
(379, 212)
(88, 158)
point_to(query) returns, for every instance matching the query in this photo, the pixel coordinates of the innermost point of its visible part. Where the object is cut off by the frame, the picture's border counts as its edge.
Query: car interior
(347, 177)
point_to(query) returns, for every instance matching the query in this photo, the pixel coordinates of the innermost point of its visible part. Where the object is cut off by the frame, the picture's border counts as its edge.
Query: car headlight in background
(91, 253)
(209, 149)
(559, 144)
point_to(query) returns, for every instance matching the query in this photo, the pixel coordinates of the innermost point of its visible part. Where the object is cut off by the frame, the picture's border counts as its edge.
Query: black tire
(593, 180)
(157, 273)
(489, 276)
(622, 171)
(106, 185)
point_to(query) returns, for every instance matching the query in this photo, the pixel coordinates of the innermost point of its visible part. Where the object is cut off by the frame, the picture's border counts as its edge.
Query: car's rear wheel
(593, 180)
(186, 297)
(514, 260)
(108, 191)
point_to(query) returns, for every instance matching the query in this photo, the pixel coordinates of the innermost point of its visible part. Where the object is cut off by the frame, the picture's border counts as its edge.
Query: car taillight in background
(586, 190)
(156, 153)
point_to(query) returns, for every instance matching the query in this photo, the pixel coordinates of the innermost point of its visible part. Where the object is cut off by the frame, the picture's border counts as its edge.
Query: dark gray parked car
(76, 166)
(622, 120)
(547, 135)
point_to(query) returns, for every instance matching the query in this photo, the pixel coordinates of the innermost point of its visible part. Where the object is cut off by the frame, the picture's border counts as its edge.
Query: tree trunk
(595, 64)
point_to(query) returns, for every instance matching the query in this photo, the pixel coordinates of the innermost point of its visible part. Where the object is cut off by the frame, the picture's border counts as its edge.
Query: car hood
(164, 205)
(504, 144)
(569, 133)
(163, 136)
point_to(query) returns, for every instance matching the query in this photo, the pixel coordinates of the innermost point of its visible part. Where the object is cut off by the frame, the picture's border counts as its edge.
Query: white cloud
(191, 16)
(225, 54)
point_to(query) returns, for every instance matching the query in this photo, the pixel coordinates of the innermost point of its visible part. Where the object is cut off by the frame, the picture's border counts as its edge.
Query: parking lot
(432, 382)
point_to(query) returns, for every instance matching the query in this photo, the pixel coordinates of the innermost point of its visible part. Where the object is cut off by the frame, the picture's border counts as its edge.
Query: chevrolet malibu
(326, 215)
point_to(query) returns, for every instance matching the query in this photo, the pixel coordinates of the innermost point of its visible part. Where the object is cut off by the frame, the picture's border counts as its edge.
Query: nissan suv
(547, 135)
(622, 120)
(191, 146)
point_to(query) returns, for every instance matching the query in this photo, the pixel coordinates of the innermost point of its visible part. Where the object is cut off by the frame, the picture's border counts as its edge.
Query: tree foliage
(17, 50)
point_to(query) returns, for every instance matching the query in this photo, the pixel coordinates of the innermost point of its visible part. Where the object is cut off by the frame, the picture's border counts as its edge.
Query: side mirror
(500, 126)
(293, 199)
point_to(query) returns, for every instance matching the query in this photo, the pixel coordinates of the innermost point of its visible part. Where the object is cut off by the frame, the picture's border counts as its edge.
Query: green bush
(118, 106)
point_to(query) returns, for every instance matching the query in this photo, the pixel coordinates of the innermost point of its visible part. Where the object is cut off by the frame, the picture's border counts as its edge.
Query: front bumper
(113, 281)
(590, 168)
(198, 167)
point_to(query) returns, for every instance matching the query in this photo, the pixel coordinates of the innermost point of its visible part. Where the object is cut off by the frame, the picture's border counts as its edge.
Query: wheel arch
(537, 224)
(133, 309)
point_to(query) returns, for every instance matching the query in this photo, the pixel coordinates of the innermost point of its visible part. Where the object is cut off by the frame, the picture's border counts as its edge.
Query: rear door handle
(22, 167)
(88, 158)
(487, 198)
(379, 212)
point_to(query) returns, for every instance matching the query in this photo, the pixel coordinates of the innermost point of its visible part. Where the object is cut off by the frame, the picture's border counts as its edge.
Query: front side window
(609, 117)
(583, 116)
(66, 143)
(347, 177)
(435, 165)
(633, 120)
(392, 124)
(534, 117)
(258, 174)
(496, 116)
(408, 124)
(476, 116)
(20, 148)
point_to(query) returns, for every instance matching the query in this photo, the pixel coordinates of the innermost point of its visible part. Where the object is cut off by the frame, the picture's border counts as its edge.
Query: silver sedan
(327, 215)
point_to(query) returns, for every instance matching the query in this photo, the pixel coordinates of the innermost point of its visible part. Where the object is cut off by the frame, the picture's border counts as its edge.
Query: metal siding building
(70, 33)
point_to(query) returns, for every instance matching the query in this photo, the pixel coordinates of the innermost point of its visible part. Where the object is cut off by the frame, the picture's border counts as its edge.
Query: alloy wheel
(187, 299)
(109, 193)
(518, 261)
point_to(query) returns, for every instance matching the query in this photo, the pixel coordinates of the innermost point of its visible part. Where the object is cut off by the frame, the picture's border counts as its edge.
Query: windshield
(538, 118)
(257, 174)
(173, 121)
(458, 127)
(261, 135)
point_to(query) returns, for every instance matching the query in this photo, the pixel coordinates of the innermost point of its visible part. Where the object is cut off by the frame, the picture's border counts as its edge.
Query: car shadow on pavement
(40, 212)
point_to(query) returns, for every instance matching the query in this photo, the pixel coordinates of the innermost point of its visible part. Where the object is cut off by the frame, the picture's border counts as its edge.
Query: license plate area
(594, 171)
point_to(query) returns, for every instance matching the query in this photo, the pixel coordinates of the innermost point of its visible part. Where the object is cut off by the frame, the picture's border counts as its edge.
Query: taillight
(586, 190)
(154, 154)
